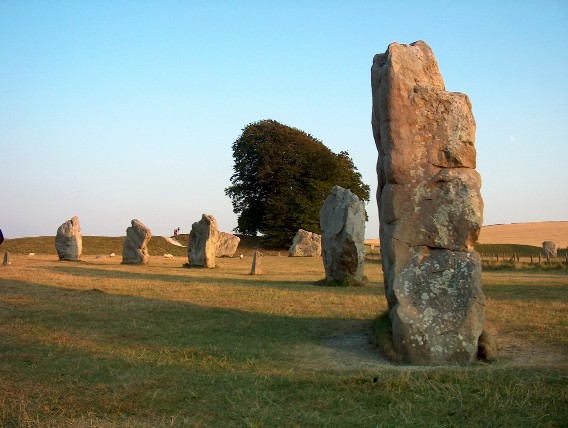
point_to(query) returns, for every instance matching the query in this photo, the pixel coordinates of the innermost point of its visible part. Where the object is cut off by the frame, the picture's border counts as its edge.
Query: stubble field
(97, 343)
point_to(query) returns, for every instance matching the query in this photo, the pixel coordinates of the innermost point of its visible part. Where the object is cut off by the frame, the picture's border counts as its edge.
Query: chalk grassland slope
(97, 343)
(105, 245)
(526, 233)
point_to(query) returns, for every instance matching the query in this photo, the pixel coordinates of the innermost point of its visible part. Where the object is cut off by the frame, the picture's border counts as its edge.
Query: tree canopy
(282, 176)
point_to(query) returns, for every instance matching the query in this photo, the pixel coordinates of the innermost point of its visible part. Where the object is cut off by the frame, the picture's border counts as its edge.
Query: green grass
(97, 343)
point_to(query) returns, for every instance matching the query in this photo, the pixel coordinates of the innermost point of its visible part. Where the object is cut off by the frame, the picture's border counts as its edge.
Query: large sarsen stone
(68, 240)
(342, 221)
(227, 244)
(305, 244)
(203, 242)
(135, 248)
(430, 208)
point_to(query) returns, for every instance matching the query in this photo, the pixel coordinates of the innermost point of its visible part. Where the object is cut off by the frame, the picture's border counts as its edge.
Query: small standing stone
(6, 261)
(549, 249)
(68, 241)
(256, 268)
(135, 249)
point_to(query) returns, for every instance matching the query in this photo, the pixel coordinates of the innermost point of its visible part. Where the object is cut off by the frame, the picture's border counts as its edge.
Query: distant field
(526, 233)
(520, 233)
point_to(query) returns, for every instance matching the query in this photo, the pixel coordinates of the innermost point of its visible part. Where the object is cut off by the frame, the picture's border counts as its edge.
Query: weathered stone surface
(68, 240)
(342, 221)
(256, 268)
(305, 244)
(430, 208)
(135, 249)
(227, 244)
(549, 249)
(203, 242)
(6, 259)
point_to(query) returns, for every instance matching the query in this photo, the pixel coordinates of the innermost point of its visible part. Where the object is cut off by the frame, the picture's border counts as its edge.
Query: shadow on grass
(57, 324)
(236, 279)
(545, 293)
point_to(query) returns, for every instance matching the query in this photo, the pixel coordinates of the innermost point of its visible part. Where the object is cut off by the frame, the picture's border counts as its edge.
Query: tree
(281, 178)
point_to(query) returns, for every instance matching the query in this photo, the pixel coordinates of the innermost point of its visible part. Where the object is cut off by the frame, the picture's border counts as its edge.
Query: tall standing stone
(135, 248)
(68, 240)
(203, 242)
(430, 208)
(342, 221)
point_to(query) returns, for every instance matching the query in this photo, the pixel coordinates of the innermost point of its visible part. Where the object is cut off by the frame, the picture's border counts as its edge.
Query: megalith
(68, 240)
(227, 244)
(430, 208)
(135, 249)
(342, 221)
(305, 244)
(549, 249)
(203, 242)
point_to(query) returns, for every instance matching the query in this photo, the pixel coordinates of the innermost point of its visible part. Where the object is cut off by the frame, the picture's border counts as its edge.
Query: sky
(116, 110)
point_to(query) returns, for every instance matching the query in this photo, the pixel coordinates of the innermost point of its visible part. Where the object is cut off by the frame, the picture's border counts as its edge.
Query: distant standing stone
(342, 221)
(305, 244)
(203, 242)
(227, 245)
(256, 268)
(68, 241)
(6, 261)
(135, 249)
(549, 249)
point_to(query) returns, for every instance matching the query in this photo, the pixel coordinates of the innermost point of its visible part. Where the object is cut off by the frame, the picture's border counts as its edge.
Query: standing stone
(430, 208)
(203, 242)
(342, 221)
(226, 244)
(68, 240)
(256, 268)
(305, 244)
(6, 260)
(135, 249)
(549, 249)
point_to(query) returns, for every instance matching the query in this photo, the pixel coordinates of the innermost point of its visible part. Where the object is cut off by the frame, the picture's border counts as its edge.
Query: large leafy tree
(281, 178)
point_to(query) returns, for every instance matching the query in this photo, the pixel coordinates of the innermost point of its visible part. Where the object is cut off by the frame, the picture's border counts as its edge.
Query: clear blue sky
(114, 110)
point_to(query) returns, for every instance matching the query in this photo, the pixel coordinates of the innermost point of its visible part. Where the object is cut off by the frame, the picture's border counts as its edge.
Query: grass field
(97, 343)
